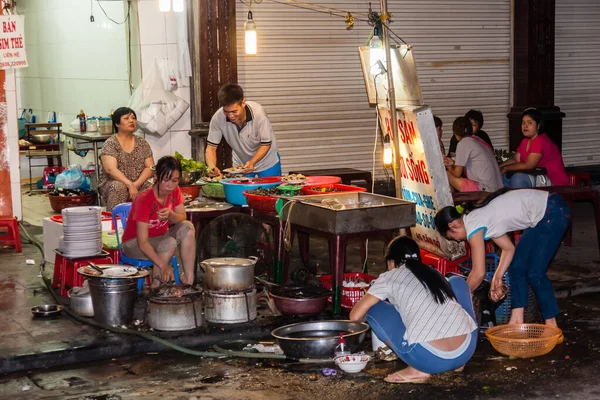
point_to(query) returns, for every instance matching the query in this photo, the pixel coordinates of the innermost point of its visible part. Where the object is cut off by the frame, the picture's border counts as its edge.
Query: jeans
(275, 170)
(520, 180)
(533, 255)
(387, 324)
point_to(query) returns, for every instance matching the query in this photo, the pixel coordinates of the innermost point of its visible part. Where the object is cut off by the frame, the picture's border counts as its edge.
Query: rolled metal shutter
(577, 79)
(308, 77)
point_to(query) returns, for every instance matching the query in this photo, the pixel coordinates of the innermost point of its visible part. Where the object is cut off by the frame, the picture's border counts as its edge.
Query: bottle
(82, 123)
(341, 349)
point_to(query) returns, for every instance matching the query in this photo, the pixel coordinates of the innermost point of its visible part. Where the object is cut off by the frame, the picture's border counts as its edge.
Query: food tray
(331, 188)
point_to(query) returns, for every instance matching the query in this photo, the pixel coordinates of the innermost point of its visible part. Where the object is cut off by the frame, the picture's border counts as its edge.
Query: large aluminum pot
(81, 304)
(230, 308)
(175, 316)
(229, 274)
(318, 339)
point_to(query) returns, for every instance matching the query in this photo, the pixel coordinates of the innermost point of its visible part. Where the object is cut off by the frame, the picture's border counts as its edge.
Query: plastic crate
(441, 264)
(503, 311)
(350, 295)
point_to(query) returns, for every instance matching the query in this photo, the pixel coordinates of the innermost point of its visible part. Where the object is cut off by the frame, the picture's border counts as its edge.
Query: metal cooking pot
(229, 274)
(170, 315)
(81, 304)
(318, 339)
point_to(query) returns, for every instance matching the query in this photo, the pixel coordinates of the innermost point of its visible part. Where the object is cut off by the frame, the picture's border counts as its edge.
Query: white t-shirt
(479, 163)
(245, 141)
(424, 318)
(513, 211)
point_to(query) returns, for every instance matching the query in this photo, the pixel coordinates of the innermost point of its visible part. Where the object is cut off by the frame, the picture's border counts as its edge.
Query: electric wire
(112, 20)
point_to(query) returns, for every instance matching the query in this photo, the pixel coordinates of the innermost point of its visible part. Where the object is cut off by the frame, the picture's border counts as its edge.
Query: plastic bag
(157, 109)
(72, 178)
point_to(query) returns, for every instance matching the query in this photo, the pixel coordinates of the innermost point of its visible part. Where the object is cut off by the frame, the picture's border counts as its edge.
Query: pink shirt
(551, 158)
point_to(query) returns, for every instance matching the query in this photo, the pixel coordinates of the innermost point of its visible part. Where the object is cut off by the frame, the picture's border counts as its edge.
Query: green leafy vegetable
(189, 164)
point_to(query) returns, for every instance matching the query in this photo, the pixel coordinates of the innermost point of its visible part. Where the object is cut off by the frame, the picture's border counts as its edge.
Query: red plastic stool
(114, 254)
(441, 264)
(65, 270)
(13, 237)
(580, 179)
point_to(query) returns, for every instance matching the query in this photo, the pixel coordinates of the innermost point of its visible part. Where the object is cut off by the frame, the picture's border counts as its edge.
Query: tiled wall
(74, 63)
(158, 40)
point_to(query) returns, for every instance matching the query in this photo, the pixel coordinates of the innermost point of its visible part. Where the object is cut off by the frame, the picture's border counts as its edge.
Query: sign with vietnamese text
(12, 42)
(423, 175)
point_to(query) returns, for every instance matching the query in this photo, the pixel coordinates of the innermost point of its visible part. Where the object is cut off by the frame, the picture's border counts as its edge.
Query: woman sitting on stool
(126, 161)
(148, 234)
(429, 321)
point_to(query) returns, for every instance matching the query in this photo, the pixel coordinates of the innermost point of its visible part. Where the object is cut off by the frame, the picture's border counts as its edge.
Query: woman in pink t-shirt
(157, 225)
(536, 150)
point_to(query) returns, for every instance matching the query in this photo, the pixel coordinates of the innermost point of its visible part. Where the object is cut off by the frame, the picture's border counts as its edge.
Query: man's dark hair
(230, 94)
(121, 112)
(438, 121)
(475, 115)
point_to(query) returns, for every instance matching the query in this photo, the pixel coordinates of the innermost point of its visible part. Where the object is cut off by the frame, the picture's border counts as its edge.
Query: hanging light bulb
(164, 5)
(388, 152)
(376, 52)
(250, 29)
(178, 5)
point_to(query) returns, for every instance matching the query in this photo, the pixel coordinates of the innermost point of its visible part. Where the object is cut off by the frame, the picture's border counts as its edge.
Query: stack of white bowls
(82, 232)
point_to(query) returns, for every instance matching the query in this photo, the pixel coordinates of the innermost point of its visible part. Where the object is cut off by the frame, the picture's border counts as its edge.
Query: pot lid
(229, 262)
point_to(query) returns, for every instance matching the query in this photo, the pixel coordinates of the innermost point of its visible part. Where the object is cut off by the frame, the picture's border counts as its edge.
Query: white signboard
(404, 72)
(423, 175)
(12, 42)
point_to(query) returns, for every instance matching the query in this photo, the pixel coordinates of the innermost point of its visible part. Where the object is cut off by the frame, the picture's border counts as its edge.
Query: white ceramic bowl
(352, 363)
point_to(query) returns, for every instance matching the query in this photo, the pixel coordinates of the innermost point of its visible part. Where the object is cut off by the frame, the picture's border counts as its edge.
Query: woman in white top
(544, 219)
(429, 321)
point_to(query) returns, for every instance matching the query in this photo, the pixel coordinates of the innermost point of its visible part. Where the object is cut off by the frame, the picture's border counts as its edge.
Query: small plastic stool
(13, 237)
(114, 254)
(580, 179)
(65, 270)
(442, 264)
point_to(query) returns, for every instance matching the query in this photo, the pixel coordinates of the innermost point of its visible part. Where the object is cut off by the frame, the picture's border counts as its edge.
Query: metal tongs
(95, 267)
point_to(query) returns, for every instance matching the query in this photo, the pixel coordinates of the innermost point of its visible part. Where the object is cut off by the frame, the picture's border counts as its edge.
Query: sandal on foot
(393, 378)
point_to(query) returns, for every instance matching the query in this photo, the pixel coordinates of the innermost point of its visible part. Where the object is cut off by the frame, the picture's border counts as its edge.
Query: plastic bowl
(234, 188)
(523, 340)
(352, 363)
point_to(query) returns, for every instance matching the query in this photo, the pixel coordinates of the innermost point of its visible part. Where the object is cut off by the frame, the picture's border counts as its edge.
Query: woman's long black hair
(449, 213)
(405, 251)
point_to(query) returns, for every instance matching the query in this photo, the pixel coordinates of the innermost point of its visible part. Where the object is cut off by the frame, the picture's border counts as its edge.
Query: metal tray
(361, 212)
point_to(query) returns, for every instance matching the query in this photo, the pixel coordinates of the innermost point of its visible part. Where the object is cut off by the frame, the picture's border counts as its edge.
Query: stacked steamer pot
(230, 295)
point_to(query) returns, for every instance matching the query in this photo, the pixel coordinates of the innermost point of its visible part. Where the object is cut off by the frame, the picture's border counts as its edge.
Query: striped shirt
(424, 318)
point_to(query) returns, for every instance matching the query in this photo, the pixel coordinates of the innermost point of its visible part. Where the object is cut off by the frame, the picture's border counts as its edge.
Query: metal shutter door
(307, 74)
(577, 79)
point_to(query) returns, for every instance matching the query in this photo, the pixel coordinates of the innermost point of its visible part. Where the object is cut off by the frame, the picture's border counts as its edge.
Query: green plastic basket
(214, 190)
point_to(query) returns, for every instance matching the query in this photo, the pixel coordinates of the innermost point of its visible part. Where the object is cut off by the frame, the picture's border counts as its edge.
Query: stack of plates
(82, 232)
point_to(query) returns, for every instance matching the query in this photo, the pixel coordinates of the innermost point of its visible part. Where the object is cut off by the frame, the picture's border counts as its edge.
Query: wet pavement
(568, 371)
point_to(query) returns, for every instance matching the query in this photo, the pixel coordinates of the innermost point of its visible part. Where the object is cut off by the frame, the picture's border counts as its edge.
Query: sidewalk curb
(128, 345)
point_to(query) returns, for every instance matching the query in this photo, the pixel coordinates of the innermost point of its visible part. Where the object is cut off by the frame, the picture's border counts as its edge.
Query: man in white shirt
(246, 128)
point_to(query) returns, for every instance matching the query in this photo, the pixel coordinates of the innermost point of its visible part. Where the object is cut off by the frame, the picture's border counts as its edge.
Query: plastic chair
(122, 210)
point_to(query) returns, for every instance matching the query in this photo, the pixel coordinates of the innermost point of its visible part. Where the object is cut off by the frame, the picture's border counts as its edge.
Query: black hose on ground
(219, 354)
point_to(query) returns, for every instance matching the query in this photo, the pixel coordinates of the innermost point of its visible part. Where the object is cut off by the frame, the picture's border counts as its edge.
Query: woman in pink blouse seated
(536, 150)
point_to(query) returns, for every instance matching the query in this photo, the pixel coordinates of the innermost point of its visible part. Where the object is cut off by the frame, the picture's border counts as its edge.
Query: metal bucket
(113, 300)
(230, 308)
